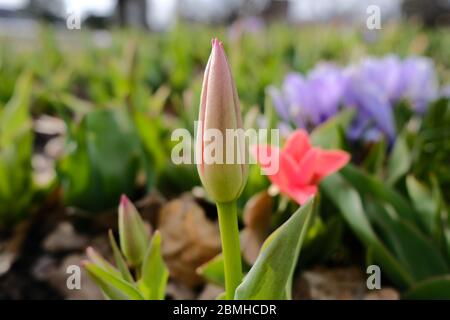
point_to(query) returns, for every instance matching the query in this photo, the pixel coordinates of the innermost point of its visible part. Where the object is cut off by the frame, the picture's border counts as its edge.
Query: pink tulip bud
(221, 164)
(133, 235)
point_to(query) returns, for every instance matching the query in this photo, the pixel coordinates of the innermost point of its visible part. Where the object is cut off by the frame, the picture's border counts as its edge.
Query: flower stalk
(229, 233)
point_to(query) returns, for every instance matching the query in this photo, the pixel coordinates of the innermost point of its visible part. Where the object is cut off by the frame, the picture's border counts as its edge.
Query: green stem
(229, 233)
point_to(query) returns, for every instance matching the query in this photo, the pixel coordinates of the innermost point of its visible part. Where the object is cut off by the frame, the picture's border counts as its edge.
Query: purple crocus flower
(372, 87)
(384, 73)
(420, 82)
(372, 104)
(312, 100)
(298, 98)
(328, 83)
(279, 102)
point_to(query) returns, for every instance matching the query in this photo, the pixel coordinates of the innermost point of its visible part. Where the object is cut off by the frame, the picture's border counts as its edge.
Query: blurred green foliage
(16, 138)
(101, 161)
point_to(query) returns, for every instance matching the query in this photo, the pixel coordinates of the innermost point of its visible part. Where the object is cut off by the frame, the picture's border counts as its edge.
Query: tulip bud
(220, 111)
(133, 235)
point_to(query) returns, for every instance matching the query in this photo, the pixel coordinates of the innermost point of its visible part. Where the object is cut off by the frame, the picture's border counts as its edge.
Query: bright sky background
(161, 12)
(12, 4)
(97, 7)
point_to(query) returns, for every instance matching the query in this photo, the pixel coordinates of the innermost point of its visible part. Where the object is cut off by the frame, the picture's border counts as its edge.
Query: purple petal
(386, 74)
(421, 85)
(368, 99)
(328, 84)
(278, 102)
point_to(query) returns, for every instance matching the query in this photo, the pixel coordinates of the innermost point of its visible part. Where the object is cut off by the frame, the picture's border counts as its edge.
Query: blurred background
(162, 15)
(90, 92)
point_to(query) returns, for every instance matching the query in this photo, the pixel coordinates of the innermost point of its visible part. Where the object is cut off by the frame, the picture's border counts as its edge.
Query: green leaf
(368, 185)
(374, 161)
(120, 261)
(350, 205)
(15, 118)
(330, 135)
(101, 262)
(149, 130)
(434, 288)
(154, 271)
(103, 157)
(75, 104)
(423, 201)
(417, 253)
(270, 275)
(446, 241)
(213, 270)
(16, 140)
(221, 296)
(399, 162)
(114, 287)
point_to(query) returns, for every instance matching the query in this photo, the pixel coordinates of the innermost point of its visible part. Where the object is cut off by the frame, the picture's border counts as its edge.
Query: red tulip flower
(301, 166)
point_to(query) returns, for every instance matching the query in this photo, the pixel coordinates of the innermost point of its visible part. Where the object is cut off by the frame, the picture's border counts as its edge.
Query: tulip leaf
(350, 205)
(154, 271)
(369, 185)
(112, 286)
(400, 160)
(101, 262)
(374, 162)
(120, 261)
(77, 105)
(149, 129)
(213, 270)
(433, 288)
(16, 141)
(419, 256)
(446, 236)
(102, 160)
(270, 276)
(422, 200)
(221, 296)
(330, 135)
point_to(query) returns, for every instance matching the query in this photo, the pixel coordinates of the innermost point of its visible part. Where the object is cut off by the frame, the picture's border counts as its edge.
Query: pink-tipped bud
(133, 235)
(221, 164)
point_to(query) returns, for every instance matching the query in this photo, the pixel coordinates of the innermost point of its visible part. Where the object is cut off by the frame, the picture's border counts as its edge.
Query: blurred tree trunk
(431, 12)
(275, 9)
(132, 13)
(50, 10)
(121, 12)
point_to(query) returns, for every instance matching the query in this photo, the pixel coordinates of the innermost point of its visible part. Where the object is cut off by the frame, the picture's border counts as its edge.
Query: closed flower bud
(220, 145)
(133, 235)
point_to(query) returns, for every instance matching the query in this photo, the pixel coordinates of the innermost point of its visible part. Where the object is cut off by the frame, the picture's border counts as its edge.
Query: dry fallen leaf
(64, 238)
(189, 239)
(383, 294)
(331, 283)
(210, 292)
(10, 248)
(57, 278)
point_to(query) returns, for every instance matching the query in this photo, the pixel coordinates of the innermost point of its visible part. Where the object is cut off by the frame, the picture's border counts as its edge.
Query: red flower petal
(302, 194)
(329, 162)
(307, 167)
(301, 166)
(297, 144)
(266, 155)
